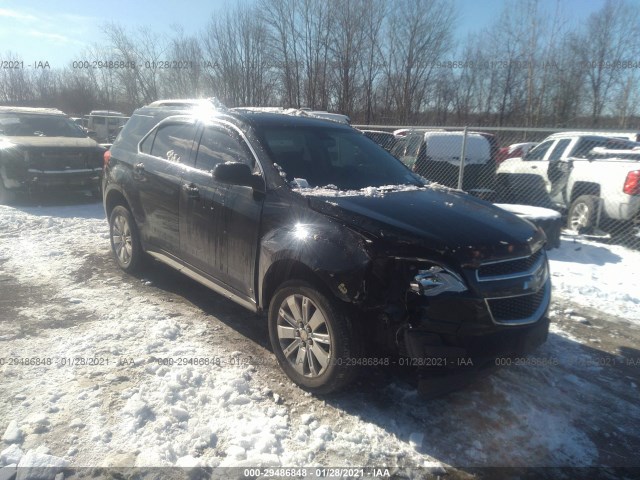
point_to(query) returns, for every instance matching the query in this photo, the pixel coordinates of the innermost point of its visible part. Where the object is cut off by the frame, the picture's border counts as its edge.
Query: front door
(220, 223)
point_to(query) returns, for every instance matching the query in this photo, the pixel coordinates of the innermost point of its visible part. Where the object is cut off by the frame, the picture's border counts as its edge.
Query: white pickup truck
(594, 178)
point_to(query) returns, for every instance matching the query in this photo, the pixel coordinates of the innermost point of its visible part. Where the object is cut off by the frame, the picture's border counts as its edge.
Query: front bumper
(505, 314)
(445, 368)
(56, 179)
(428, 349)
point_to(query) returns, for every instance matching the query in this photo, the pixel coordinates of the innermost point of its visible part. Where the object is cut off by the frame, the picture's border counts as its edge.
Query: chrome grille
(509, 268)
(526, 274)
(517, 310)
(53, 160)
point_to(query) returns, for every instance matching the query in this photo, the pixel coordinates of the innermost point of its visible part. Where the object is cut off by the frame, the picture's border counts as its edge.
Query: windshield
(334, 158)
(37, 125)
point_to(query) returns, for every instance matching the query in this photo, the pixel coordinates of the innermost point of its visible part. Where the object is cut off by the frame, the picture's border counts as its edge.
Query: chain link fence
(591, 178)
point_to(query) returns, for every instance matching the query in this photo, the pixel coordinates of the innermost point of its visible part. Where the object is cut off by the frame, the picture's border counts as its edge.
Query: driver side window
(218, 145)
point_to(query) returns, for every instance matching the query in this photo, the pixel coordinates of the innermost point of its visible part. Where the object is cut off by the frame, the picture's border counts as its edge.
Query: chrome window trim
(63, 172)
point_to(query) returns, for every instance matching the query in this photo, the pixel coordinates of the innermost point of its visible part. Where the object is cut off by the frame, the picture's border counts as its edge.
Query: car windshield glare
(336, 158)
(24, 125)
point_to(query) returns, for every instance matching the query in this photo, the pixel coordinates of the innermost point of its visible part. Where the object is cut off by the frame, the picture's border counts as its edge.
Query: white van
(105, 123)
(436, 156)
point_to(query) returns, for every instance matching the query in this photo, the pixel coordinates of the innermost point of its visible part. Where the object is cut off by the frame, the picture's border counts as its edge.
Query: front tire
(583, 213)
(125, 241)
(312, 338)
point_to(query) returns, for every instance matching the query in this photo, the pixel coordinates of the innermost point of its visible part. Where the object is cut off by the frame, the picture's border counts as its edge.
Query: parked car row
(566, 172)
(594, 178)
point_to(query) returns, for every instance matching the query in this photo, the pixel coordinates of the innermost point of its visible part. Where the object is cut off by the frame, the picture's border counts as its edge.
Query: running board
(204, 281)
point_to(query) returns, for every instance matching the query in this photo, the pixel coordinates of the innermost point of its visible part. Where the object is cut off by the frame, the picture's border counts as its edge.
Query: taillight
(632, 183)
(107, 157)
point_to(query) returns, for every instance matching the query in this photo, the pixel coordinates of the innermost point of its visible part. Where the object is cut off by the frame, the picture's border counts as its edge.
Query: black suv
(42, 148)
(356, 259)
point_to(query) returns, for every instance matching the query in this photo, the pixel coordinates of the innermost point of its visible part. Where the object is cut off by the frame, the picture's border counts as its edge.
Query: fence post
(463, 155)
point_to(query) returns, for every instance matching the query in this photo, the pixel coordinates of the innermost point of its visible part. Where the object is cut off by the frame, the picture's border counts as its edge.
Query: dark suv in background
(42, 148)
(355, 259)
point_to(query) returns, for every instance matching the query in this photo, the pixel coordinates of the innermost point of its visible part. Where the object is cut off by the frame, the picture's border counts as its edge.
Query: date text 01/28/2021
(320, 472)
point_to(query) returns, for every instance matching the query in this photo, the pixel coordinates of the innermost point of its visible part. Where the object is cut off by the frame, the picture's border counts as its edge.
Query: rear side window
(218, 145)
(136, 128)
(586, 144)
(559, 149)
(173, 142)
(539, 152)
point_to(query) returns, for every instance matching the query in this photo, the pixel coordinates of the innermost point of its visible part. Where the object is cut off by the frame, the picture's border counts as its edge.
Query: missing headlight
(436, 280)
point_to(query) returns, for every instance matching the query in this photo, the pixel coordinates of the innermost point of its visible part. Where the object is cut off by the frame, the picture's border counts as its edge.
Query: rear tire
(583, 213)
(312, 338)
(125, 240)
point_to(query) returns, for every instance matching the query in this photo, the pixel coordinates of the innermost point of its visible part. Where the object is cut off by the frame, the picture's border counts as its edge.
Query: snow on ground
(604, 277)
(120, 389)
(122, 395)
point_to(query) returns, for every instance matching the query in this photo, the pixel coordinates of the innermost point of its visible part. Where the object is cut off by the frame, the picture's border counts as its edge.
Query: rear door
(157, 173)
(220, 223)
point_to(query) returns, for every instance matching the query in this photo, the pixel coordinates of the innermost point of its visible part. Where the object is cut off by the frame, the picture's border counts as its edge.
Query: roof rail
(299, 112)
(189, 102)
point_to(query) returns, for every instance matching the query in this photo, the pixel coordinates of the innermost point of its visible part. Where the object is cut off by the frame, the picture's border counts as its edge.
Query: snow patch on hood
(333, 191)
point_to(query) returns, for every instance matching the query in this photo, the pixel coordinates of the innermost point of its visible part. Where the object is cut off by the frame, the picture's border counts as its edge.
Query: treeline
(378, 61)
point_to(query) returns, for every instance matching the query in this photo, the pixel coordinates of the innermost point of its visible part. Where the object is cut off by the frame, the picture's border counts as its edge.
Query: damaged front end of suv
(452, 293)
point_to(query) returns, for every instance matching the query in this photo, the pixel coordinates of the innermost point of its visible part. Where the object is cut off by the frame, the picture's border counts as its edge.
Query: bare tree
(15, 82)
(77, 92)
(420, 33)
(186, 81)
(237, 41)
(374, 15)
(316, 20)
(281, 17)
(611, 36)
(347, 39)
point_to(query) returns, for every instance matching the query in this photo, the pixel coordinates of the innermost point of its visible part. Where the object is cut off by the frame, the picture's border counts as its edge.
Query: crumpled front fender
(332, 252)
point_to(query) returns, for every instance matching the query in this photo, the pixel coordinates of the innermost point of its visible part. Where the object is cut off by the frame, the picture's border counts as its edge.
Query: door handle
(191, 190)
(534, 167)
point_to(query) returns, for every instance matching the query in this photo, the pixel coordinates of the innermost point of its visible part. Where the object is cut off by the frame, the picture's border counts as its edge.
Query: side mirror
(236, 173)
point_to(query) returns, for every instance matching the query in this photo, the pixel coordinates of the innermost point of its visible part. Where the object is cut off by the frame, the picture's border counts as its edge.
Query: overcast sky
(58, 32)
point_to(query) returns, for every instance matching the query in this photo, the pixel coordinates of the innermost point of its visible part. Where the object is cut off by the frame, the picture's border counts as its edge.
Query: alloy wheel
(122, 242)
(303, 335)
(580, 216)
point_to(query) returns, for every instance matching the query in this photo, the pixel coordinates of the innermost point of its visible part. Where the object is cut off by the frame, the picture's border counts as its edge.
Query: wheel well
(282, 271)
(115, 198)
(583, 188)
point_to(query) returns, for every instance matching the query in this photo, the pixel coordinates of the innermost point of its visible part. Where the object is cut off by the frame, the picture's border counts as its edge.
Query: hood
(52, 142)
(433, 220)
